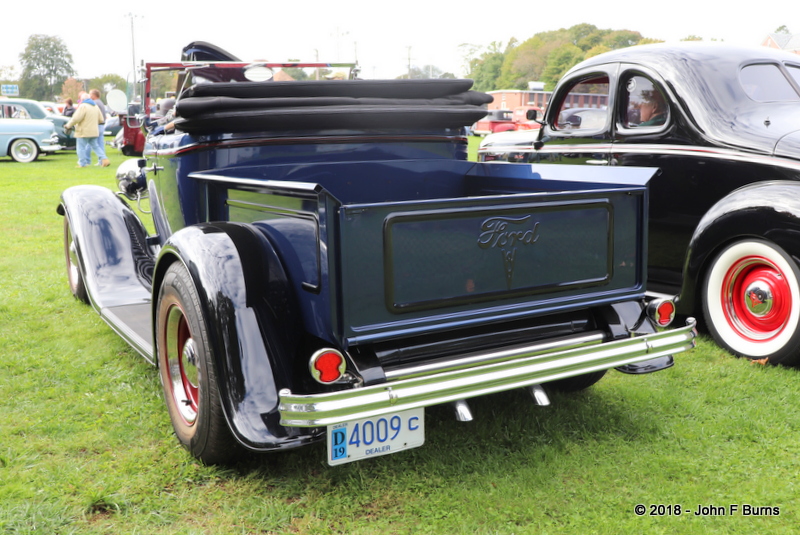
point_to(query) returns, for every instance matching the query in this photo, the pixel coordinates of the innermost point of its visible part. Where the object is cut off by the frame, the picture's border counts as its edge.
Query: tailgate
(420, 266)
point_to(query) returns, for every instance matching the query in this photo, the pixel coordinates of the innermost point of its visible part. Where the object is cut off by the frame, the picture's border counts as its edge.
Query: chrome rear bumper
(526, 366)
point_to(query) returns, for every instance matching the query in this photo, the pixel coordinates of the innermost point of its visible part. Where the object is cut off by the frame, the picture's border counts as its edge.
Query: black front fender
(767, 210)
(111, 244)
(253, 323)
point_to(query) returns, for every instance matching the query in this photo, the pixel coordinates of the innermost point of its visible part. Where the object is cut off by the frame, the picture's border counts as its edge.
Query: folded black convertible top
(329, 104)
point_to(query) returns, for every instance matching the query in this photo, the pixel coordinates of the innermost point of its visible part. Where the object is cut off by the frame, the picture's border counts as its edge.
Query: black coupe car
(722, 124)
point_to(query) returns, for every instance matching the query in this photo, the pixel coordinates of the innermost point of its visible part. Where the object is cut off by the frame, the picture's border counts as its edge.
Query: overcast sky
(381, 35)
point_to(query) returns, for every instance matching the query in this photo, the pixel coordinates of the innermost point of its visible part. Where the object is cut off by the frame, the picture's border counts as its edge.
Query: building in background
(783, 41)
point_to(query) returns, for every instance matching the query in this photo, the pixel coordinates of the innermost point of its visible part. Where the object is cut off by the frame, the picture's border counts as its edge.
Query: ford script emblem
(506, 234)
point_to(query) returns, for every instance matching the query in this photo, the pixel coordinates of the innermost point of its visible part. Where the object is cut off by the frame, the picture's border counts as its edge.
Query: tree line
(545, 57)
(48, 73)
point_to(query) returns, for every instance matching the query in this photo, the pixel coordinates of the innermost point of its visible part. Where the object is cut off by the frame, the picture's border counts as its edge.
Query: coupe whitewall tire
(751, 301)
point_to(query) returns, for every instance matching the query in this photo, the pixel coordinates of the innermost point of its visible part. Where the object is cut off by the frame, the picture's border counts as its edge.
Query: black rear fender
(253, 324)
(766, 210)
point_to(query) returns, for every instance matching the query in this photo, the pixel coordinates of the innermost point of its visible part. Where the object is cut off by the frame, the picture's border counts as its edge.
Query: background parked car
(504, 143)
(52, 107)
(32, 109)
(24, 139)
(520, 118)
(495, 121)
(724, 226)
(112, 126)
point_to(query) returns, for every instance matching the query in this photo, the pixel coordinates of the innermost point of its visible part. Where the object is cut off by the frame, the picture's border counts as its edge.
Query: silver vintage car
(24, 139)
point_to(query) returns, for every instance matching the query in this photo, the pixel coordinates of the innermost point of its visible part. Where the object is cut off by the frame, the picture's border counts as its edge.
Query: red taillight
(327, 366)
(661, 311)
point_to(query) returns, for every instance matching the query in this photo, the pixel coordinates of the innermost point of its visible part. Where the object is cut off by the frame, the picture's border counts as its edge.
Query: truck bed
(418, 246)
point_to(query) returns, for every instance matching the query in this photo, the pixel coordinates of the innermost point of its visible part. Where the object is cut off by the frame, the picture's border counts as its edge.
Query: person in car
(653, 110)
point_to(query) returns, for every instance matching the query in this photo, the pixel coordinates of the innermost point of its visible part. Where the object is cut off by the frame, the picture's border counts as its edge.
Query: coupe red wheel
(752, 301)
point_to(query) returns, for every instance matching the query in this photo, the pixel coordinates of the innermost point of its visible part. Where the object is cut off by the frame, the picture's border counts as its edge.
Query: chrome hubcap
(72, 258)
(182, 360)
(758, 298)
(190, 371)
(73, 261)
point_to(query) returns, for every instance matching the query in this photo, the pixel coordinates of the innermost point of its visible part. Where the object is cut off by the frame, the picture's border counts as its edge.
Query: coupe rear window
(643, 104)
(767, 83)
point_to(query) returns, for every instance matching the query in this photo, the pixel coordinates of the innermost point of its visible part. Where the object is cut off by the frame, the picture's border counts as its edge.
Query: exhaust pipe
(539, 395)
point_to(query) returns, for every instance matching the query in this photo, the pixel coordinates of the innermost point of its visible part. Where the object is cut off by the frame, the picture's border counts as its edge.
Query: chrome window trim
(654, 149)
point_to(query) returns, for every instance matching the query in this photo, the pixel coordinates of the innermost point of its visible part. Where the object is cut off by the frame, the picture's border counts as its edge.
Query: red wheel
(187, 370)
(181, 363)
(752, 302)
(76, 283)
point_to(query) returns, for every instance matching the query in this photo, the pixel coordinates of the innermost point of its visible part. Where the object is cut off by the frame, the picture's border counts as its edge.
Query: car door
(635, 121)
(645, 133)
(579, 124)
(688, 181)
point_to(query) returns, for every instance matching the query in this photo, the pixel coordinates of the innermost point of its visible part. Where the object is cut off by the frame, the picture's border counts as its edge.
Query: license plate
(373, 437)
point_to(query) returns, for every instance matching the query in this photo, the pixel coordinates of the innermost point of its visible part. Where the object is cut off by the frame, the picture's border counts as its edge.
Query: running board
(133, 323)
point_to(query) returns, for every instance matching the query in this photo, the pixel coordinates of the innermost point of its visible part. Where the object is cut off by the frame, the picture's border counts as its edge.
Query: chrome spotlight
(131, 179)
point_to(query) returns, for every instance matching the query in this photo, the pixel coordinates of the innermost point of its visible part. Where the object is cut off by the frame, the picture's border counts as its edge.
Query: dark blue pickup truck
(323, 261)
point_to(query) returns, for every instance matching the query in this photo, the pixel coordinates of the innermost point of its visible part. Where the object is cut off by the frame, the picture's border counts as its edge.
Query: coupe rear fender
(768, 210)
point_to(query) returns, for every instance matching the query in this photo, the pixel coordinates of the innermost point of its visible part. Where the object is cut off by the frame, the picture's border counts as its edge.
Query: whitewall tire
(751, 301)
(23, 150)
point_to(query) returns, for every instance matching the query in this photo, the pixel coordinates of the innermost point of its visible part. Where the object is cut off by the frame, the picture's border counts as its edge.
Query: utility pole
(133, 54)
(338, 36)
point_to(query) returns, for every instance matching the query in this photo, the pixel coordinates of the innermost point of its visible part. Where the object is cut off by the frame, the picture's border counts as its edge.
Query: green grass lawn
(86, 445)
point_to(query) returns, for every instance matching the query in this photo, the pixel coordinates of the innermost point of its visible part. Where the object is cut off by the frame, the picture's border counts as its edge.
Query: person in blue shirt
(98, 147)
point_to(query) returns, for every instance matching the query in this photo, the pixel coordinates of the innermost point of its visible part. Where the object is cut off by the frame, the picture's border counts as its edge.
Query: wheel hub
(190, 363)
(182, 362)
(758, 297)
(72, 260)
